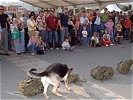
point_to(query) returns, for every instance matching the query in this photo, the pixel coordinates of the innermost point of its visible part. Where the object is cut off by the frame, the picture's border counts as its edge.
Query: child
(109, 25)
(66, 45)
(33, 43)
(42, 46)
(84, 36)
(131, 35)
(106, 39)
(95, 40)
(119, 35)
(127, 24)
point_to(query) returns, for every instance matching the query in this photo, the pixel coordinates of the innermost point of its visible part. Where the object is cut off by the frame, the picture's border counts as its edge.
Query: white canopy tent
(74, 3)
(112, 7)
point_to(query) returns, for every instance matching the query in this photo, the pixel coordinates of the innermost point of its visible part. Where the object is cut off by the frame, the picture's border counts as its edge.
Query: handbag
(40, 51)
(15, 34)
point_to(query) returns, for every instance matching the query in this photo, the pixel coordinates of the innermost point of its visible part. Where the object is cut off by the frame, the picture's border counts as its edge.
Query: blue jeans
(97, 28)
(85, 41)
(103, 27)
(53, 38)
(44, 36)
(111, 35)
(64, 33)
(19, 43)
(33, 48)
(126, 35)
(22, 42)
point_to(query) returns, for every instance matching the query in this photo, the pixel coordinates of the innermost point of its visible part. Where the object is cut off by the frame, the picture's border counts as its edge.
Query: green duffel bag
(15, 34)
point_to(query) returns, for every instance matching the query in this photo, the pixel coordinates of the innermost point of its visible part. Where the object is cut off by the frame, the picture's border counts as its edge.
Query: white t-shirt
(97, 21)
(95, 39)
(82, 20)
(65, 44)
(108, 36)
(84, 33)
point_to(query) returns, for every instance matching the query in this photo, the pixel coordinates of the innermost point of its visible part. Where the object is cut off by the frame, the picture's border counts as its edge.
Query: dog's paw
(57, 94)
(69, 89)
(47, 97)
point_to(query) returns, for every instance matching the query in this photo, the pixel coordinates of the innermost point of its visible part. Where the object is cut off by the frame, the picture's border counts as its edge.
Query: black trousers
(26, 37)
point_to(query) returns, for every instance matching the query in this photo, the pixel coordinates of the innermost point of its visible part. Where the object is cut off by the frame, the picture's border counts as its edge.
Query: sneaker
(111, 44)
(46, 49)
(73, 47)
(107, 45)
(131, 41)
(57, 48)
(6, 54)
(32, 54)
(1, 53)
(51, 48)
(24, 52)
(18, 53)
(10, 49)
(119, 43)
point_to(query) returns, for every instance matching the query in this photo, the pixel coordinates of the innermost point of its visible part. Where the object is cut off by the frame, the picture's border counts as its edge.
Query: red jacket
(52, 22)
(127, 23)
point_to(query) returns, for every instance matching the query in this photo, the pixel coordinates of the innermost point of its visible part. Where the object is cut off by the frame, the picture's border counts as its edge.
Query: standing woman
(19, 41)
(31, 25)
(26, 36)
(71, 23)
(77, 30)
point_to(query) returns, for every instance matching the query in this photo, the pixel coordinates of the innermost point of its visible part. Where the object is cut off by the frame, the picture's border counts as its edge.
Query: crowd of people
(37, 33)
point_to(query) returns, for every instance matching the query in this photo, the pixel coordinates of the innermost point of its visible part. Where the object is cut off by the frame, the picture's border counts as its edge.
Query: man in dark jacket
(4, 18)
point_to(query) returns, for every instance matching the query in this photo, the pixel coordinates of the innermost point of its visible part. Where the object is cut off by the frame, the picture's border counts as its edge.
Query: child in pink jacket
(109, 26)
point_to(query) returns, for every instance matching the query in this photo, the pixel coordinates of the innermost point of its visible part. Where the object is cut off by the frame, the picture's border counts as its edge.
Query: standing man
(4, 18)
(104, 18)
(52, 24)
(97, 23)
(63, 23)
(131, 18)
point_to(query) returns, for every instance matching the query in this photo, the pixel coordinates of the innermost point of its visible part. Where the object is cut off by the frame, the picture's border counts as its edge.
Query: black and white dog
(53, 74)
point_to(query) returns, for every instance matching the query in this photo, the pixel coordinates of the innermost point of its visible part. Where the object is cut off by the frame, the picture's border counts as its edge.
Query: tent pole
(74, 10)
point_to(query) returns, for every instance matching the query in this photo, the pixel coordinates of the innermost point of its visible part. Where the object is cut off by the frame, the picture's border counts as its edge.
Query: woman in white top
(18, 24)
(31, 25)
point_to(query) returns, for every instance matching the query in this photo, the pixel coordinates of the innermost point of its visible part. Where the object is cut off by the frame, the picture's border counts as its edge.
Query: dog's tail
(33, 74)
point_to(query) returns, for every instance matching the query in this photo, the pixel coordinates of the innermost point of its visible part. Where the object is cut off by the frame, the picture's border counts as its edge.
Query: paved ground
(82, 59)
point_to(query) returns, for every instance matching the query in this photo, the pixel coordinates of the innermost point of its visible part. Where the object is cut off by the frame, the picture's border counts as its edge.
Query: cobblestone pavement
(82, 59)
